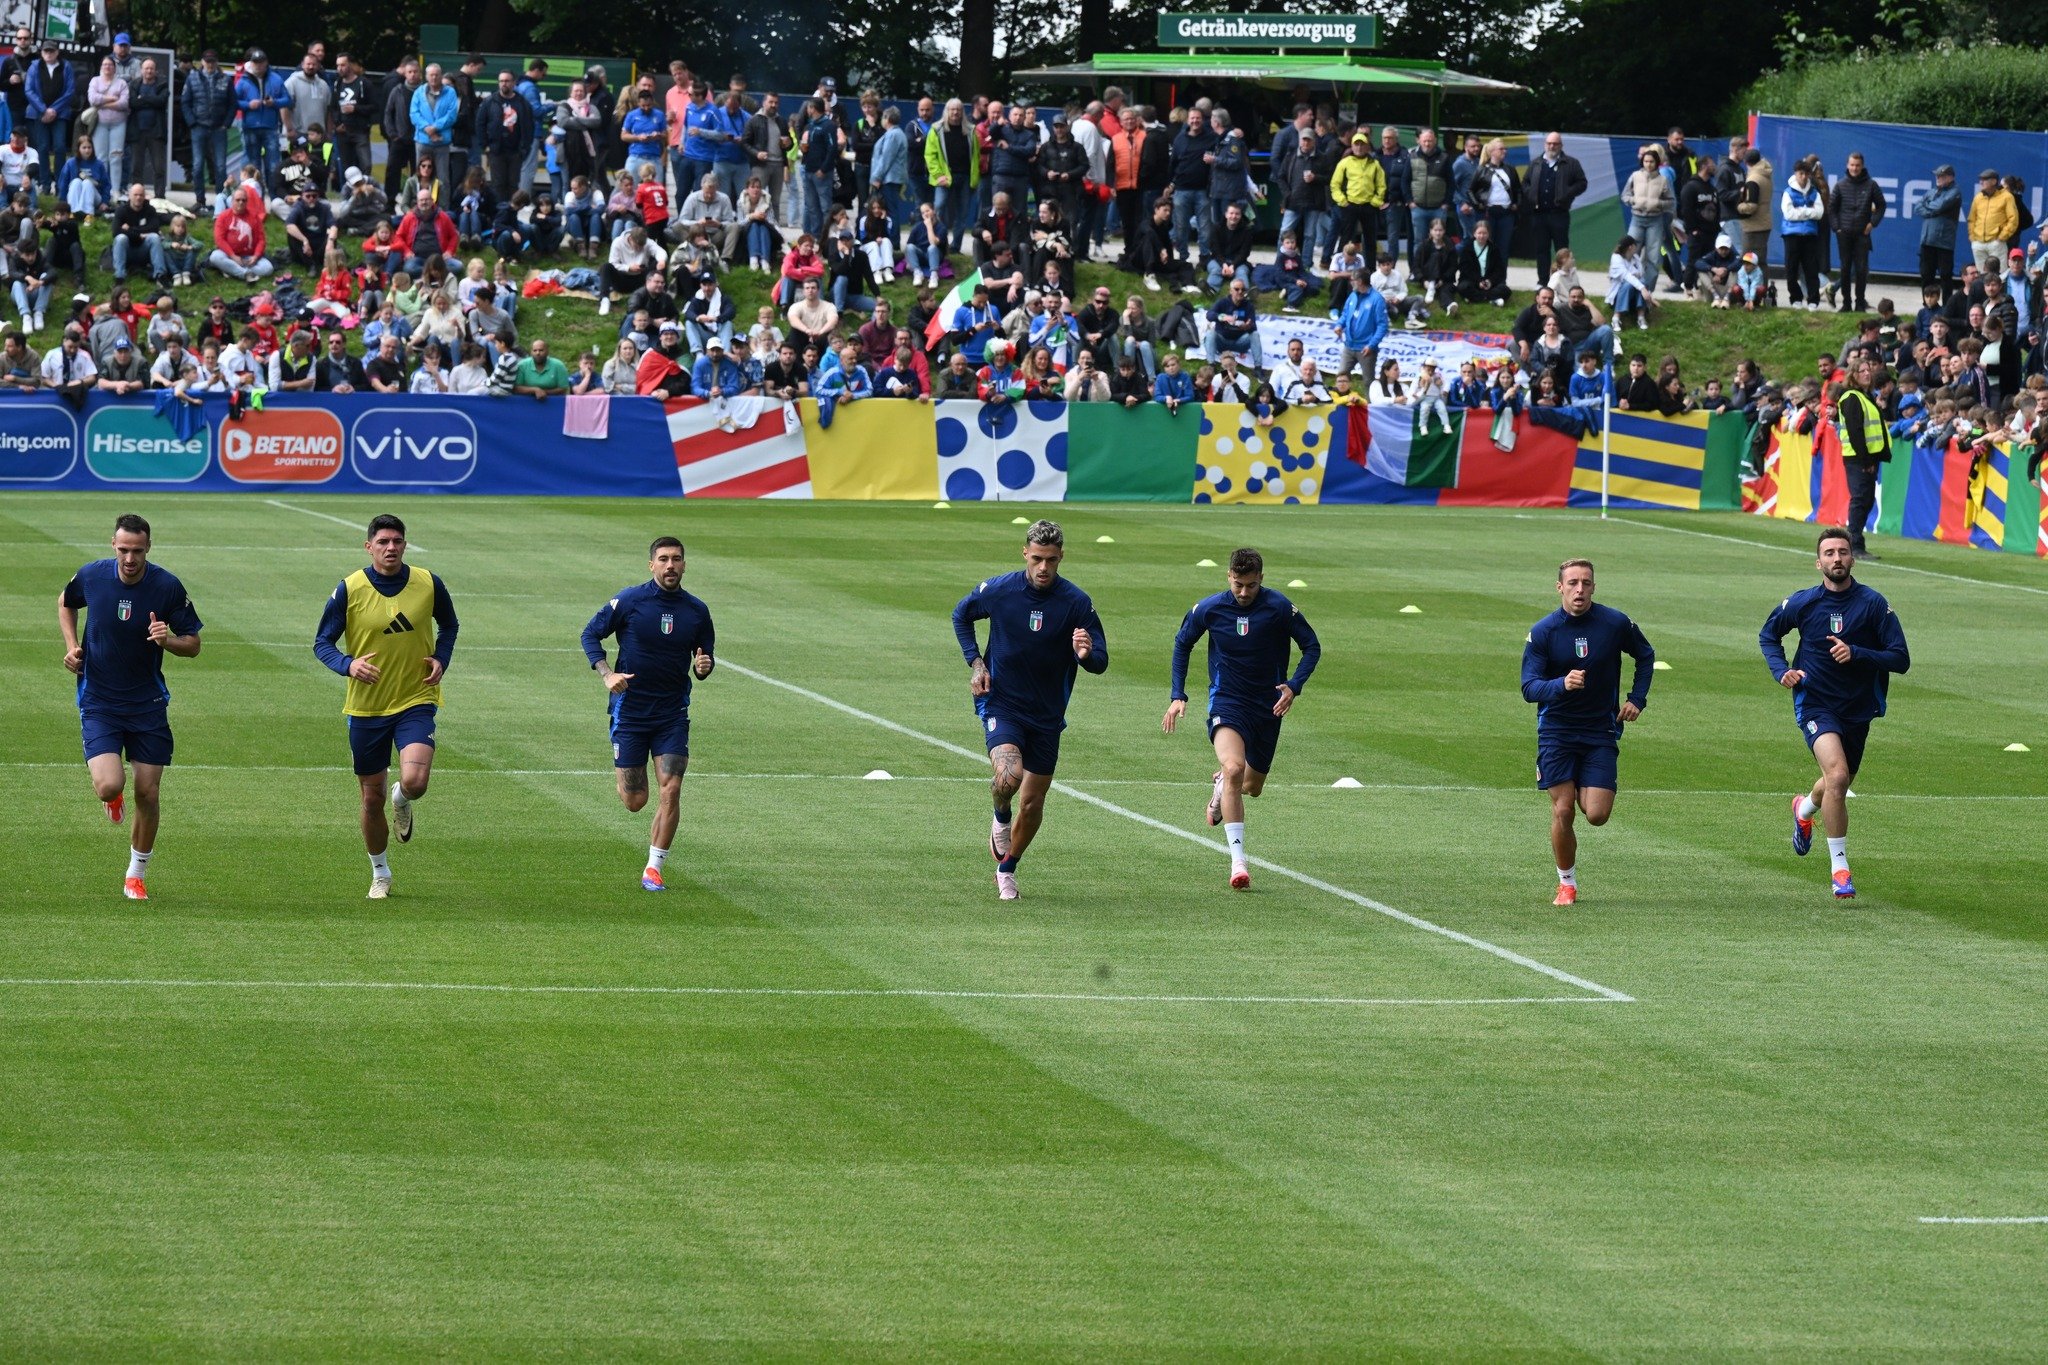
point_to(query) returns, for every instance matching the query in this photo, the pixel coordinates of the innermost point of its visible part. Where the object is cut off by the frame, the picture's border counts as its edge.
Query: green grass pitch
(853, 1107)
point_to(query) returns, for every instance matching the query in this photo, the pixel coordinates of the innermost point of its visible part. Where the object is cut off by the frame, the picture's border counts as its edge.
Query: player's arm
(1891, 656)
(966, 612)
(705, 658)
(1096, 660)
(445, 627)
(1535, 687)
(1637, 645)
(333, 620)
(1771, 639)
(595, 631)
(1191, 629)
(174, 640)
(1304, 636)
(68, 603)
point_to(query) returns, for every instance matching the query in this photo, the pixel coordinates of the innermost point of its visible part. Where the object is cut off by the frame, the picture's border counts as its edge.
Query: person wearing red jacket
(802, 262)
(238, 241)
(426, 217)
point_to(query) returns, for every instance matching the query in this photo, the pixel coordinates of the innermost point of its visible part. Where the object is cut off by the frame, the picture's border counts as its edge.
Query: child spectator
(1428, 398)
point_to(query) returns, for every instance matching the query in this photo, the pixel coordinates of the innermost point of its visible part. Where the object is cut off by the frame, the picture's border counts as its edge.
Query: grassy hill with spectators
(1706, 342)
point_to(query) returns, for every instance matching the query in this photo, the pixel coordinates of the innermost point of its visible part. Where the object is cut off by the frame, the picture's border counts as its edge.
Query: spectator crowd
(656, 198)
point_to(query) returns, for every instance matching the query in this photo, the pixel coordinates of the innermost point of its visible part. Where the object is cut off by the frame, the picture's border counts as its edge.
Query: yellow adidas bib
(399, 630)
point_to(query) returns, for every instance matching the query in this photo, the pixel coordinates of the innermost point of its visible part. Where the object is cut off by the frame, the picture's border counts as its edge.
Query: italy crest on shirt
(668, 623)
(1834, 621)
(1038, 620)
(1244, 625)
(125, 610)
(1579, 646)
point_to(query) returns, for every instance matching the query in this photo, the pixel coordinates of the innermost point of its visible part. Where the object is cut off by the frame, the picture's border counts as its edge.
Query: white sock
(1838, 854)
(398, 796)
(380, 867)
(1807, 810)
(656, 857)
(1233, 834)
(1568, 876)
(138, 863)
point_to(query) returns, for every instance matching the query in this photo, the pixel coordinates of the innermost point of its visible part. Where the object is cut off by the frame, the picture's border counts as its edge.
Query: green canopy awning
(1279, 70)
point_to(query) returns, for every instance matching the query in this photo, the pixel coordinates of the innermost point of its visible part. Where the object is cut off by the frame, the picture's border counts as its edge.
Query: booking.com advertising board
(1901, 158)
(338, 443)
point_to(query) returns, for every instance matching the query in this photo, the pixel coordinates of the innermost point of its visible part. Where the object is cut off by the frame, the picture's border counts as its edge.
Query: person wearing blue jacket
(436, 110)
(206, 106)
(1227, 182)
(52, 100)
(1799, 213)
(1173, 386)
(1393, 159)
(714, 376)
(259, 95)
(1362, 326)
(1013, 157)
(889, 173)
(1938, 211)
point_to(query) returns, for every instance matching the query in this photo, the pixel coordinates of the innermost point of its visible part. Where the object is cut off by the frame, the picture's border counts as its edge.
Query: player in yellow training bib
(390, 630)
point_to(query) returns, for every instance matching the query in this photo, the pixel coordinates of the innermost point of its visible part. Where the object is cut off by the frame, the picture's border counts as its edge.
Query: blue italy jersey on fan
(659, 635)
(1030, 652)
(1561, 643)
(124, 670)
(1853, 692)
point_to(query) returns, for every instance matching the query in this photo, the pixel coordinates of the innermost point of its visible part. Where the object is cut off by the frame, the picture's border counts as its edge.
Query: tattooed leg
(633, 787)
(1006, 766)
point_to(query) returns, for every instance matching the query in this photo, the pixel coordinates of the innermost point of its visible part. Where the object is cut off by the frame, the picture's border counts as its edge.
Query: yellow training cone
(1205, 563)
(1660, 667)
(1411, 610)
(1105, 540)
(2017, 749)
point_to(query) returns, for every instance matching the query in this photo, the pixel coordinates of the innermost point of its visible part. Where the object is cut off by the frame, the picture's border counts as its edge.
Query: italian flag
(957, 297)
(1397, 452)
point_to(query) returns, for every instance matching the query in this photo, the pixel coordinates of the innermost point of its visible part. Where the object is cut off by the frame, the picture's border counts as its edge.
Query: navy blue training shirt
(124, 670)
(1248, 650)
(1030, 650)
(1560, 643)
(1863, 620)
(659, 636)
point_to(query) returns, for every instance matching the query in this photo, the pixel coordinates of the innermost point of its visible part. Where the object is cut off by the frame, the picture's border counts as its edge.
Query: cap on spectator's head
(209, 56)
(255, 55)
(670, 325)
(299, 142)
(81, 298)
(49, 44)
(1987, 174)
(1364, 137)
(121, 40)
(2019, 255)
(352, 175)
(1945, 169)
(1058, 119)
(827, 83)
(1749, 258)
(123, 344)
(712, 343)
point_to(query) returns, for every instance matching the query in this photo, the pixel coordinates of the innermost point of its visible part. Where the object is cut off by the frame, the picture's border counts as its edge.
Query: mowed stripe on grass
(1724, 1166)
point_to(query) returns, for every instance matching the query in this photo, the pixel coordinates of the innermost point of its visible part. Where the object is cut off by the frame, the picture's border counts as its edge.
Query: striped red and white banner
(745, 448)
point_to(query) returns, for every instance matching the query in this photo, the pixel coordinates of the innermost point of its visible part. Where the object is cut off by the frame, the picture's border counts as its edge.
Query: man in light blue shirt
(436, 109)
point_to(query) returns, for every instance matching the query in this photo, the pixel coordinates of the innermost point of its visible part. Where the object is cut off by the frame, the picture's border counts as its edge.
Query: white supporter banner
(1321, 343)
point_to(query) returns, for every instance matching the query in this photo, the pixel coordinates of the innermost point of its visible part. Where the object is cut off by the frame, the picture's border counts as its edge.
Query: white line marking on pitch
(1328, 888)
(823, 993)
(338, 521)
(1796, 550)
(1178, 783)
(1995, 1222)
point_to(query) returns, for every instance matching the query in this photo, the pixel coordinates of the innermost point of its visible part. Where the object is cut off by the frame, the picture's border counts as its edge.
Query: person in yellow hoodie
(390, 630)
(1358, 189)
(1994, 216)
